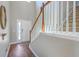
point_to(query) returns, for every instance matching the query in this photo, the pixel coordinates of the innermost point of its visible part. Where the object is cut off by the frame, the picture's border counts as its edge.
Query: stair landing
(20, 50)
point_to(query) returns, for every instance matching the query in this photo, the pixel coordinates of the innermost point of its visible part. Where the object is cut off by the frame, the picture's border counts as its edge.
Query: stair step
(70, 29)
(77, 24)
(77, 10)
(70, 20)
(77, 13)
(77, 30)
(70, 24)
(77, 17)
(22, 49)
(77, 6)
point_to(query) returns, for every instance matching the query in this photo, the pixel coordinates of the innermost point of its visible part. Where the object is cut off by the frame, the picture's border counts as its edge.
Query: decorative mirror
(3, 17)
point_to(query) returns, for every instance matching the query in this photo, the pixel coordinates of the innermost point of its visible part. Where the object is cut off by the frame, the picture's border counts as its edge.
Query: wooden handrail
(47, 3)
(43, 24)
(42, 9)
(36, 19)
(39, 15)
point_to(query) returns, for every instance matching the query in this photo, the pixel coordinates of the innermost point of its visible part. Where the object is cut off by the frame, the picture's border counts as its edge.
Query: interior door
(23, 30)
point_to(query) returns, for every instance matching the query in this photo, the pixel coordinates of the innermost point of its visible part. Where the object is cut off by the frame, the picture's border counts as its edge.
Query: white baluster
(52, 16)
(74, 17)
(61, 16)
(46, 18)
(67, 17)
(57, 16)
(49, 17)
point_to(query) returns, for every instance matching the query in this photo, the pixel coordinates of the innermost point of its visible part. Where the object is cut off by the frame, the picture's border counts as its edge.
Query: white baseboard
(18, 42)
(33, 51)
(7, 50)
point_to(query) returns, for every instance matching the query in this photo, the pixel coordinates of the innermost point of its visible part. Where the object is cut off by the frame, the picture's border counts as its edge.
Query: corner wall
(4, 43)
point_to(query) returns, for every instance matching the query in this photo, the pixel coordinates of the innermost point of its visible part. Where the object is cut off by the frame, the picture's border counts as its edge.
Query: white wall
(20, 10)
(38, 6)
(49, 46)
(76, 48)
(4, 43)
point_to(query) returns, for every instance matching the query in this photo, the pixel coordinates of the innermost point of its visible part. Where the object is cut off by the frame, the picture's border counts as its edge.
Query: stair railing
(53, 16)
(39, 24)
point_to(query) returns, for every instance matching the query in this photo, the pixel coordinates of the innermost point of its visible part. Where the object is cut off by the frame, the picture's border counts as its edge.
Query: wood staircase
(20, 50)
(71, 20)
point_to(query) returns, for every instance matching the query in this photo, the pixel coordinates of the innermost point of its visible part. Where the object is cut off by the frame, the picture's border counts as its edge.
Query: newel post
(43, 24)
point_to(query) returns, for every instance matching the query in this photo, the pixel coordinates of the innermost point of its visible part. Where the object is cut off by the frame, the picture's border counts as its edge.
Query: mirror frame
(3, 19)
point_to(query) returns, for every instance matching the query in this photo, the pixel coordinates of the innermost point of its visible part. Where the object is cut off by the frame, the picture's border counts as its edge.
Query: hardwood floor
(20, 50)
